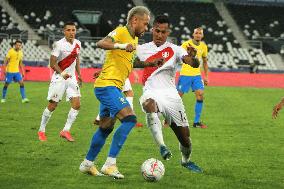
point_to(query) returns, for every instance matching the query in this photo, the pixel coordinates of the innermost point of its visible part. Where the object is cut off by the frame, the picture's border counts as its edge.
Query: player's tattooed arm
(190, 58)
(56, 68)
(108, 43)
(154, 63)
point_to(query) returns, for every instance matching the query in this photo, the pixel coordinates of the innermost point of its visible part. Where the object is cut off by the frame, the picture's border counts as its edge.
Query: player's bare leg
(72, 115)
(198, 109)
(129, 95)
(183, 135)
(4, 92)
(45, 118)
(155, 126)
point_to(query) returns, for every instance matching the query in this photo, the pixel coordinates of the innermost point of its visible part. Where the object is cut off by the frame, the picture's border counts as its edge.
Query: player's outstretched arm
(154, 63)
(277, 108)
(108, 44)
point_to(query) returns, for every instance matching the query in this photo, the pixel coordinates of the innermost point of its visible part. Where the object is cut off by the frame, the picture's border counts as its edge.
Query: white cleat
(89, 169)
(112, 171)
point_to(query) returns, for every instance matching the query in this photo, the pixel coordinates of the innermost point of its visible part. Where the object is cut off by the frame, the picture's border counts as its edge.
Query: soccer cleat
(41, 136)
(112, 171)
(96, 122)
(25, 100)
(89, 169)
(3, 100)
(199, 125)
(192, 167)
(66, 135)
(139, 125)
(165, 152)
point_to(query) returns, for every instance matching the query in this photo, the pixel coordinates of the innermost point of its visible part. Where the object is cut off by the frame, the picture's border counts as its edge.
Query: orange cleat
(67, 136)
(41, 136)
(139, 124)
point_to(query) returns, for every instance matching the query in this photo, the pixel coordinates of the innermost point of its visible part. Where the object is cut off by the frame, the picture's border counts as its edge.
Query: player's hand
(130, 48)
(80, 81)
(206, 81)
(192, 61)
(65, 75)
(191, 51)
(96, 74)
(276, 110)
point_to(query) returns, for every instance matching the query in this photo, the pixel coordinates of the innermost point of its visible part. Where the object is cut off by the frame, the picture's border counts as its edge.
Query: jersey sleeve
(205, 51)
(116, 34)
(56, 49)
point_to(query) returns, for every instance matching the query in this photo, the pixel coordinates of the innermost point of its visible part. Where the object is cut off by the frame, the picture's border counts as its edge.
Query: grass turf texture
(242, 148)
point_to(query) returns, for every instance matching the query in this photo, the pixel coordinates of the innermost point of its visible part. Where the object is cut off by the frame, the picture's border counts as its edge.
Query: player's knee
(107, 123)
(129, 93)
(150, 106)
(52, 106)
(129, 118)
(76, 106)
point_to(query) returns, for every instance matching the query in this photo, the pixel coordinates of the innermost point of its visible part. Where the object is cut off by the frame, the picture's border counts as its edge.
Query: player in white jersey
(64, 61)
(160, 93)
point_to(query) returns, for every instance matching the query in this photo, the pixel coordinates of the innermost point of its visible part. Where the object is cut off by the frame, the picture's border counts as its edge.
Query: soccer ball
(152, 170)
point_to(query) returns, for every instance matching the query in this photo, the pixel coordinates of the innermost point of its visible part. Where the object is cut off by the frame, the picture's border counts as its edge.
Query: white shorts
(127, 85)
(169, 104)
(58, 86)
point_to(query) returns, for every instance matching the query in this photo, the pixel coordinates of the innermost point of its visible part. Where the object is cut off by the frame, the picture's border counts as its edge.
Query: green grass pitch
(242, 148)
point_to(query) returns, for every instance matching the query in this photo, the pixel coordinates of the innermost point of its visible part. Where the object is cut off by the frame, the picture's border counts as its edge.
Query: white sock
(44, 119)
(130, 100)
(110, 161)
(98, 117)
(154, 123)
(87, 162)
(70, 119)
(185, 153)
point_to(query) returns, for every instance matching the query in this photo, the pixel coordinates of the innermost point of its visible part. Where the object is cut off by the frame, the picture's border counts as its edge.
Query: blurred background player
(64, 60)
(129, 95)
(191, 77)
(277, 108)
(13, 60)
(121, 44)
(160, 93)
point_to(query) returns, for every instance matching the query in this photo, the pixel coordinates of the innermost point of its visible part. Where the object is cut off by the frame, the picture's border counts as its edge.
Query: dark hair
(69, 24)
(161, 19)
(18, 41)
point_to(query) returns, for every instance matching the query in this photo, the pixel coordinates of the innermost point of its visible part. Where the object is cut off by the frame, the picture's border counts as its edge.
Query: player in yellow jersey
(13, 60)
(120, 45)
(191, 77)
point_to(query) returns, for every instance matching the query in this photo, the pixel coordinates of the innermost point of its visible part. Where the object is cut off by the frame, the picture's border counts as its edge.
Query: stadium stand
(7, 24)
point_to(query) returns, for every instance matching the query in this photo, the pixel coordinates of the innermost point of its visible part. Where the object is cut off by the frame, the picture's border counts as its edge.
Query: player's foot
(66, 135)
(165, 123)
(139, 125)
(112, 171)
(3, 100)
(199, 125)
(41, 136)
(165, 152)
(192, 167)
(25, 100)
(89, 169)
(96, 122)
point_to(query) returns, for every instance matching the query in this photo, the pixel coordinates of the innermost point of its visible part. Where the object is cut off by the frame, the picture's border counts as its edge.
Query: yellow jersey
(118, 63)
(15, 57)
(202, 52)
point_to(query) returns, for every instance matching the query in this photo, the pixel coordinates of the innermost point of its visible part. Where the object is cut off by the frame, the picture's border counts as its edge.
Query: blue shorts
(187, 82)
(111, 100)
(13, 77)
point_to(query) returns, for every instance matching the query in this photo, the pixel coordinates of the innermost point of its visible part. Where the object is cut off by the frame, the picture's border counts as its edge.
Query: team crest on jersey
(122, 100)
(165, 54)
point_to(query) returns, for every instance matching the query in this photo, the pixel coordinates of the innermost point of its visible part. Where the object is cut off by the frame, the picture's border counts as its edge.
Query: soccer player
(160, 93)
(121, 44)
(191, 77)
(13, 60)
(277, 108)
(129, 95)
(64, 60)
